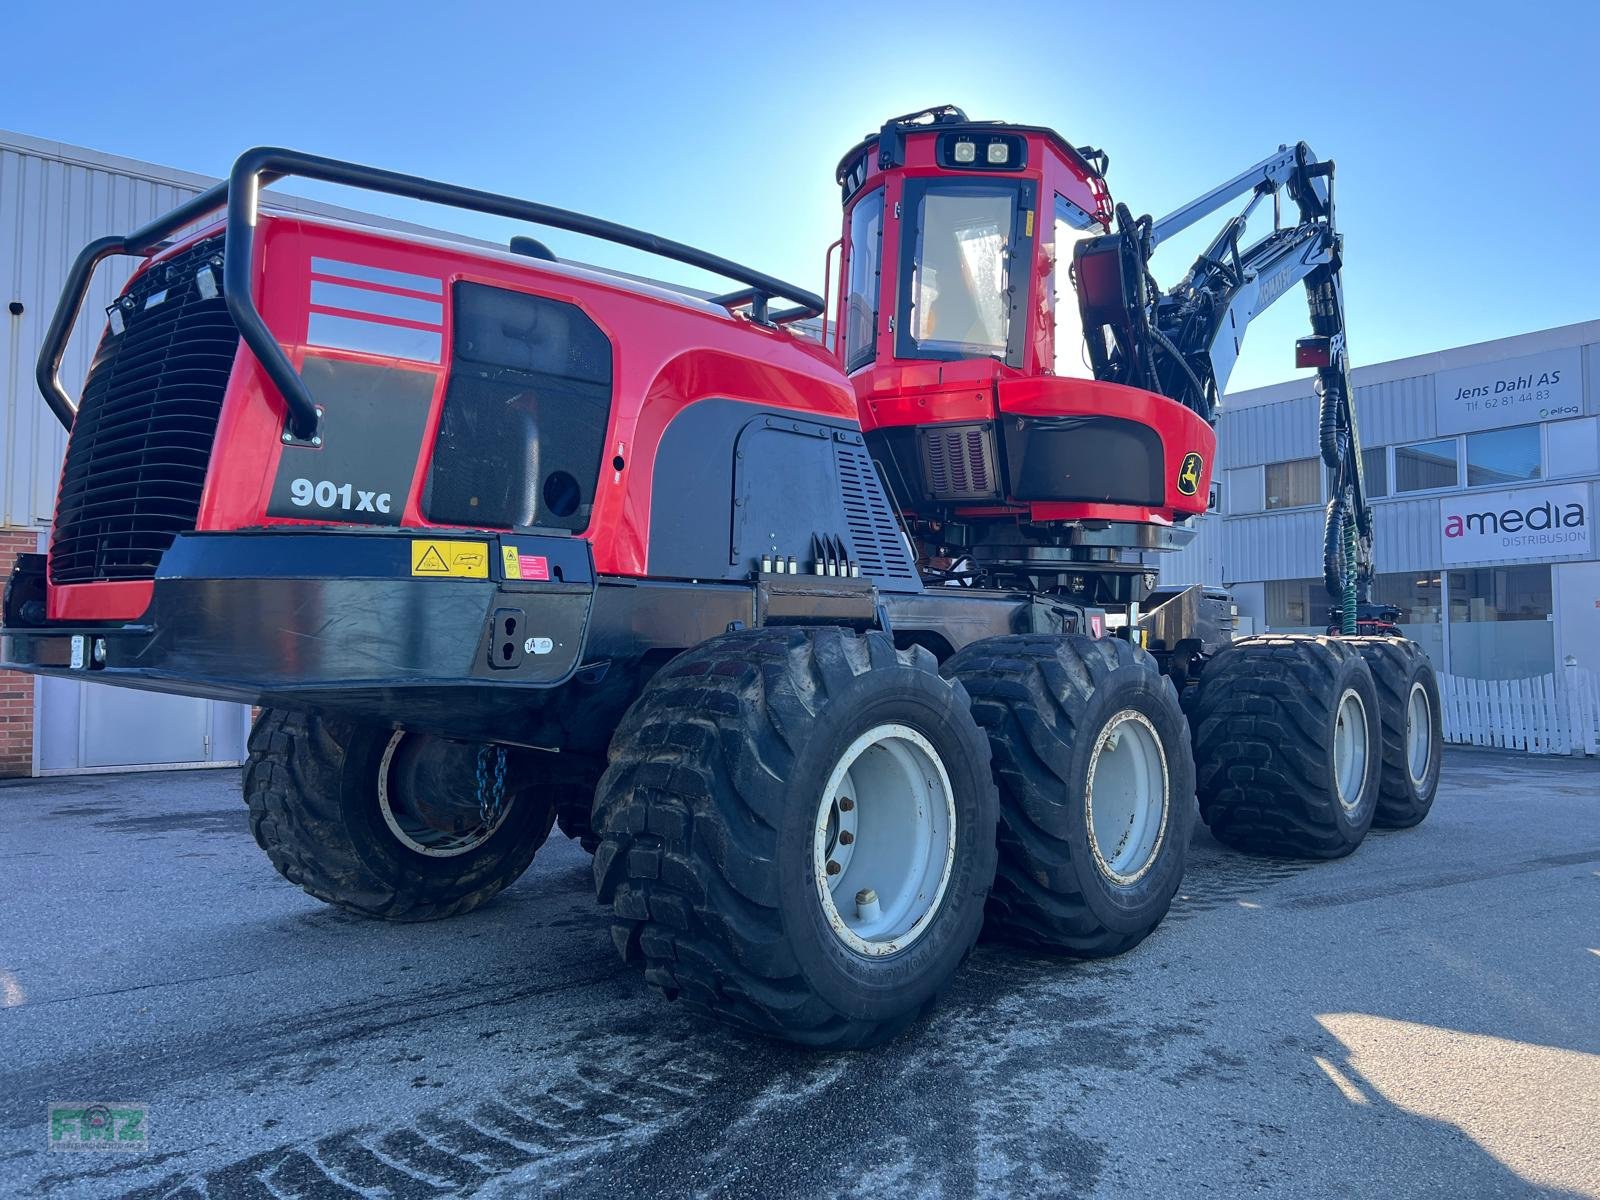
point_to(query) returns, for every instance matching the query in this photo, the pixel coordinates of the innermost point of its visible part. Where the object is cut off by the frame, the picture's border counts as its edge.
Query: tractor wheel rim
(414, 831)
(1419, 734)
(885, 840)
(1126, 797)
(1350, 751)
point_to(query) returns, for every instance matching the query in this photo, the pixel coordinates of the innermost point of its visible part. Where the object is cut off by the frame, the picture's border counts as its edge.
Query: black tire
(707, 815)
(312, 786)
(1264, 745)
(1398, 668)
(1044, 702)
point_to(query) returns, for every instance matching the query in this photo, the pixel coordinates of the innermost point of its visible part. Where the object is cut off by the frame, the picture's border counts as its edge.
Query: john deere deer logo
(1189, 475)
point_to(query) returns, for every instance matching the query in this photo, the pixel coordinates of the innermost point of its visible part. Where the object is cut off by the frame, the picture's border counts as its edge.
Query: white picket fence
(1552, 714)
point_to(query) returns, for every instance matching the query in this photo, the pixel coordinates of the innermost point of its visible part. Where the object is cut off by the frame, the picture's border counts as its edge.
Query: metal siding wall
(1273, 546)
(1276, 432)
(48, 211)
(1591, 378)
(1396, 412)
(1405, 535)
(1198, 562)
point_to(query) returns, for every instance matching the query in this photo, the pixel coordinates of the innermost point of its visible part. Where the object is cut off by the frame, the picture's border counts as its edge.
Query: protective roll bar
(240, 194)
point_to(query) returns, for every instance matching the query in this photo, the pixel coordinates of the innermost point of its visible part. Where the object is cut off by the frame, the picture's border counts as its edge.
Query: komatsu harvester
(834, 632)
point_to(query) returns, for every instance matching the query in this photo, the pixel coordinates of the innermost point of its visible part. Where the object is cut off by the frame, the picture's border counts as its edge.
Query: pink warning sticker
(533, 566)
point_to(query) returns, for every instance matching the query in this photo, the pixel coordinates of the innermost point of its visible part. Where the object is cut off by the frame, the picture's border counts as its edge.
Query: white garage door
(82, 727)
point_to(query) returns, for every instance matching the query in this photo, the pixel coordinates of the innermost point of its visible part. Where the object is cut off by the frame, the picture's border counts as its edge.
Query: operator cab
(958, 240)
(963, 334)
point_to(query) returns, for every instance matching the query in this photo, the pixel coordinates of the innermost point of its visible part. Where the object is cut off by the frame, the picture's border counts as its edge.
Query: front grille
(136, 461)
(958, 462)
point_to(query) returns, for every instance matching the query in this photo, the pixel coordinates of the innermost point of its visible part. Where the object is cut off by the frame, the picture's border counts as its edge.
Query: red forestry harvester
(832, 651)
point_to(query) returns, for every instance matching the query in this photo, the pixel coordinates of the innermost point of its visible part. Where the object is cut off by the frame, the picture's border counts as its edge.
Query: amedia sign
(1546, 522)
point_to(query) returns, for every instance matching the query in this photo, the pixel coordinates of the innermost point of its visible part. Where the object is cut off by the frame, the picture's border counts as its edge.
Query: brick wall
(16, 689)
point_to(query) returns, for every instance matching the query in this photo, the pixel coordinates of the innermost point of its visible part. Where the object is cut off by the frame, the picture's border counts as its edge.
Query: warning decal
(450, 560)
(524, 566)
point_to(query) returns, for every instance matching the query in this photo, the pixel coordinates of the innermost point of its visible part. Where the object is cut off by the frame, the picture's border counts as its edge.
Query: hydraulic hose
(1349, 611)
(1334, 569)
(1330, 423)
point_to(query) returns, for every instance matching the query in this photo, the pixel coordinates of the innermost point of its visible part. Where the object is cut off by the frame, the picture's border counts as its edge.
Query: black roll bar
(264, 165)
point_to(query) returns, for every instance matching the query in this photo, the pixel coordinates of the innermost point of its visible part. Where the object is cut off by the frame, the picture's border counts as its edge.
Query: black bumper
(365, 624)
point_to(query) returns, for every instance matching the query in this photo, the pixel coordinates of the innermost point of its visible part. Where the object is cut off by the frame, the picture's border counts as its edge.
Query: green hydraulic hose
(1349, 613)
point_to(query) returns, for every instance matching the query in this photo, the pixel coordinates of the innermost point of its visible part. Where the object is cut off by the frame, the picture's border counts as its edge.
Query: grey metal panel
(1388, 413)
(48, 210)
(1274, 546)
(1591, 378)
(1198, 562)
(123, 728)
(1406, 535)
(1276, 432)
(1396, 411)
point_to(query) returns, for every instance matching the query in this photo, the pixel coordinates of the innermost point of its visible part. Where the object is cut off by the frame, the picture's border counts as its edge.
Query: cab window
(862, 286)
(1071, 226)
(959, 301)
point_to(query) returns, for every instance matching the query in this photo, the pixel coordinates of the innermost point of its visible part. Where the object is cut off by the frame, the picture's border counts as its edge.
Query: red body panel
(668, 351)
(1182, 431)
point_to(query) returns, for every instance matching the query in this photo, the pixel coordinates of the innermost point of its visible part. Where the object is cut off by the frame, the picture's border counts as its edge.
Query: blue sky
(1465, 134)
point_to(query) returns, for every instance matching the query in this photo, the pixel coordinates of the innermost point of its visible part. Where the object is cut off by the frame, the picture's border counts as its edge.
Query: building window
(1419, 595)
(1427, 465)
(1502, 456)
(1294, 484)
(1297, 605)
(1500, 624)
(1375, 471)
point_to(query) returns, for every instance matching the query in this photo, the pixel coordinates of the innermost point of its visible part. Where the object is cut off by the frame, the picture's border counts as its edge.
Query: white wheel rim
(1419, 734)
(415, 833)
(1350, 750)
(884, 843)
(1125, 797)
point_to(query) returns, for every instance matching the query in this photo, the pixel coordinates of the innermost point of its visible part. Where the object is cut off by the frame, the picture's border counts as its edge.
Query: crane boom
(1184, 342)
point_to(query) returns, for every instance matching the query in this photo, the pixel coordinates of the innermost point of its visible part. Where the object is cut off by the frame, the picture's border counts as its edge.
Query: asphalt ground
(1422, 1019)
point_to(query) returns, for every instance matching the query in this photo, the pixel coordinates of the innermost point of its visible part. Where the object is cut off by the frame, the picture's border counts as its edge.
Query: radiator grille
(875, 540)
(958, 462)
(137, 457)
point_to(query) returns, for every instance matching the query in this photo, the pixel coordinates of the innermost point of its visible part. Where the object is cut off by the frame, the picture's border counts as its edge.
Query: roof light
(967, 152)
(999, 154)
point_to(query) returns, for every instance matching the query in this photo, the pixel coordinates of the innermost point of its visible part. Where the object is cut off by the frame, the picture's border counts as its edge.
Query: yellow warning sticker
(508, 556)
(450, 560)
